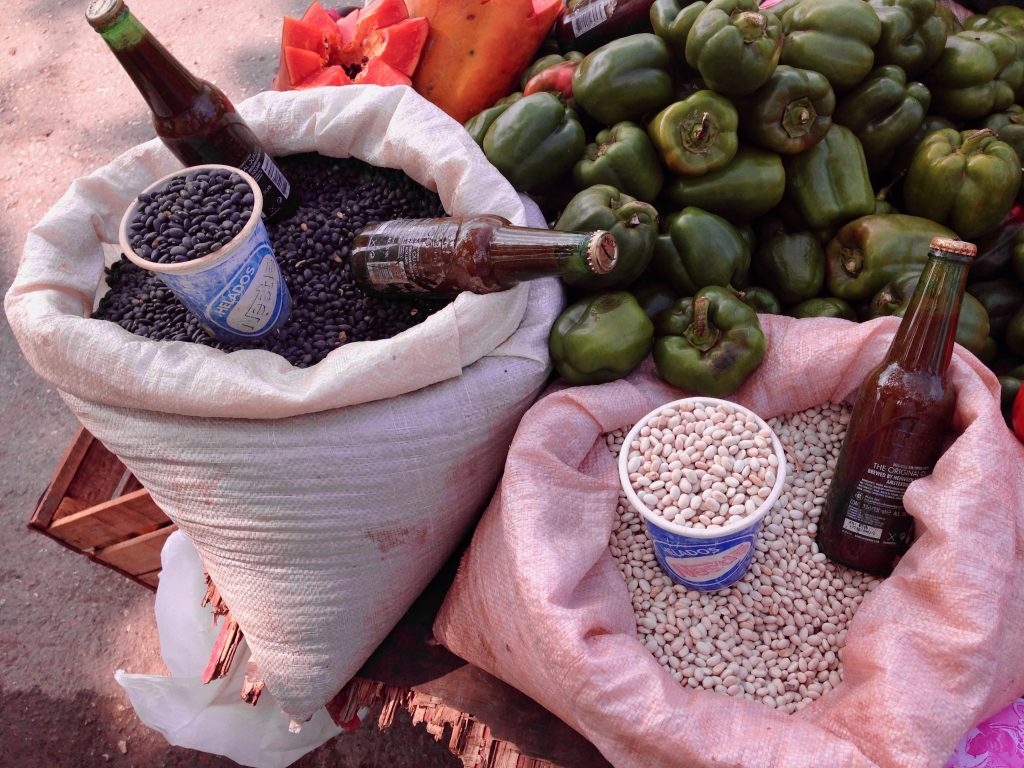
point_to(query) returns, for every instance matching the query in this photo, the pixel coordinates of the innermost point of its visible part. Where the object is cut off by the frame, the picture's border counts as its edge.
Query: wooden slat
(55, 492)
(98, 477)
(139, 554)
(110, 522)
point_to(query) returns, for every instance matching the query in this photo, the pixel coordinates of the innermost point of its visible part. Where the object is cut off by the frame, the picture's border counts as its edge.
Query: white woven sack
(321, 500)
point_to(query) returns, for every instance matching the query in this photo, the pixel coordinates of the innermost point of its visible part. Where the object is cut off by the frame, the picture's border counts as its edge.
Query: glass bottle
(899, 420)
(192, 116)
(589, 24)
(482, 254)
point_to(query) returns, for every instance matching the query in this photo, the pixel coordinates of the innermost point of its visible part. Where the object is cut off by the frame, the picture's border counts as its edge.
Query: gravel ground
(66, 107)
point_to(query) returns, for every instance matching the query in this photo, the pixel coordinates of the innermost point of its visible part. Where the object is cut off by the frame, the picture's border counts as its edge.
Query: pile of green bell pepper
(794, 159)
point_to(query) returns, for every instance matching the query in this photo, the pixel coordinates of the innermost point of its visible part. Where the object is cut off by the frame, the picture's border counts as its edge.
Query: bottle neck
(924, 341)
(166, 85)
(522, 253)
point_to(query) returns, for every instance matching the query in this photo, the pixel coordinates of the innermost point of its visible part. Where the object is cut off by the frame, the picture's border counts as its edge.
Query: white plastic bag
(211, 717)
(322, 500)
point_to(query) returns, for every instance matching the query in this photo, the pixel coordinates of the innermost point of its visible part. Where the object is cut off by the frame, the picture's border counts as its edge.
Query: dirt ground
(66, 107)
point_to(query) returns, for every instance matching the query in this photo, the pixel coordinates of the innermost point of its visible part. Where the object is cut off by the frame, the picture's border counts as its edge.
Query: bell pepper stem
(699, 135)
(700, 333)
(853, 261)
(751, 24)
(973, 140)
(798, 117)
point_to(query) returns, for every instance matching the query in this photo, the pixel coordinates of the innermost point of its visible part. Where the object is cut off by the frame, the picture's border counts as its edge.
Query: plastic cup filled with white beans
(703, 473)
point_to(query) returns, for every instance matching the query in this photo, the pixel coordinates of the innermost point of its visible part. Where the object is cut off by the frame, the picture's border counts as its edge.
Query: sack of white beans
(321, 500)
(801, 662)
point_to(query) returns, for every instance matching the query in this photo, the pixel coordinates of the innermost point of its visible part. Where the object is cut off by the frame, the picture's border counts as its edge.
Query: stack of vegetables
(791, 159)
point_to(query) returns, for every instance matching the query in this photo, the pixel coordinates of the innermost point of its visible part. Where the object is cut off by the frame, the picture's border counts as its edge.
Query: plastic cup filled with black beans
(200, 231)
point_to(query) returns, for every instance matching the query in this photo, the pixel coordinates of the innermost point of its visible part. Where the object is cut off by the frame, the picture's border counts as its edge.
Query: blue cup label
(705, 564)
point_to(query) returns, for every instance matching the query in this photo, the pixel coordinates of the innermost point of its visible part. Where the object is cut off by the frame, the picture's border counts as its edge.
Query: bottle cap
(101, 13)
(602, 252)
(959, 247)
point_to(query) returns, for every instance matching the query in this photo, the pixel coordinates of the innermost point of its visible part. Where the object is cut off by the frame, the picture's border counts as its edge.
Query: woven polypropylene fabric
(322, 501)
(540, 603)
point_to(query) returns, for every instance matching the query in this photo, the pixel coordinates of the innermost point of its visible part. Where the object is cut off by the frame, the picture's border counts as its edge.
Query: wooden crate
(96, 507)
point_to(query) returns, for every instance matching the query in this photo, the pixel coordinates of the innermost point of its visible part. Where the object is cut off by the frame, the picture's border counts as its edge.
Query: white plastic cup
(237, 291)
(699, 558)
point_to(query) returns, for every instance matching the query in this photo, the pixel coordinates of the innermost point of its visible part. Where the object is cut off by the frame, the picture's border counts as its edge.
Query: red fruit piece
(331, 76)
(317, 17)
(302, 64)
(399, 45)
(377, 72)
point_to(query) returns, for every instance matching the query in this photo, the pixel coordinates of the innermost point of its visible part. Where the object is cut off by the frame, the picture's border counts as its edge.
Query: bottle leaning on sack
(899, 422)
(193, 118)
(482, 254)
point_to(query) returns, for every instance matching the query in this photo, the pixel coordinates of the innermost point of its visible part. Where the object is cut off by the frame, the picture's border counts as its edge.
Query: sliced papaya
(316, 16)
(331, 76)
(399, 45)
(302, 64)
(380, 14)
(377, 72)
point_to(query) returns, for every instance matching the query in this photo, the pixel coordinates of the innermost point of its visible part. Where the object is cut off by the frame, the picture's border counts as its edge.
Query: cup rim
(744, 523)
(210, 259)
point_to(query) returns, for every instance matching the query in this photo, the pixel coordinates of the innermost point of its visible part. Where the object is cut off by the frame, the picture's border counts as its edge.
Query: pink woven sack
(935, 649)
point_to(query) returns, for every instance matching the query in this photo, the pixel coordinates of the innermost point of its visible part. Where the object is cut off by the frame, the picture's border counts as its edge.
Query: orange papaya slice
(331, 76)
(399, 45)
(477, 49)
(377, 72)
(316, 16)
(302, 64)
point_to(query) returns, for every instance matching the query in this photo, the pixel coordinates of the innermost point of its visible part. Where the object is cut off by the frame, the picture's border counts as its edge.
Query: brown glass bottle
(899, 421)
(192, 116)
(589, 24)
(482, 254)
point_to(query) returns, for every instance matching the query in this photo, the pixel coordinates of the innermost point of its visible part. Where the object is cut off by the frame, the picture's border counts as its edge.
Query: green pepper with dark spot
(790, 112)
(534, 142)
(870, 251)
(893, 299)
(791, 265)
(826, 306)
(633, 224)
(745, 188)
(479, 124)
(600, 338)
(623, 157)
(967, 180)
(833, 37)
(913, 36)
(624, 79)
(698, 249)
(734, 46)
(697, 134)
(883, 112)
(828, 185)
(708, 344)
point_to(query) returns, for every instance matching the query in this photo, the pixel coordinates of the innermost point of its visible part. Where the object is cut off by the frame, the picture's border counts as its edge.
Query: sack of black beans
(800, 663)
(322, 499)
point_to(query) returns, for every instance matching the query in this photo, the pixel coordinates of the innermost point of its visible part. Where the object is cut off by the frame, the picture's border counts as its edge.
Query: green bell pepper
(747, 187)
(600, 338)
(1013, 73)
(965, 82)
(913, 36)
(1001, 299)
(653, 296)
(697, 134)
(761, 300)
(894, 297)
(708, 344)
(826, 306)
(546, 62)
(790, 112)
(672, 21)
(1009, 126)
(536, 140)
(901, 158)
(870, 251)
(634, 225)
(949, 18)
(828, 184)
(624, 79)
(791, 265)
(623, 157)
(883, 112)
(833, 37)
(967, 180)
(734, 46)
(479, 124)
(1015, 333)
(698, 249)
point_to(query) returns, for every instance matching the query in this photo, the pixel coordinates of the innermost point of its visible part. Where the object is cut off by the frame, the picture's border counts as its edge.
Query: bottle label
(268, 177)
(876, 512)
(399, 253)
(588, 16)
